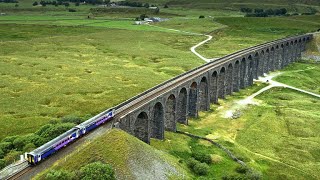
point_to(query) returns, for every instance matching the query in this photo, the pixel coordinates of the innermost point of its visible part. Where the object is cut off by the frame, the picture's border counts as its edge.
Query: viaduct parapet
(160, 108)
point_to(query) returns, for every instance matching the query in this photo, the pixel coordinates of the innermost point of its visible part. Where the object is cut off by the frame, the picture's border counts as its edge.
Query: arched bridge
(150, 113)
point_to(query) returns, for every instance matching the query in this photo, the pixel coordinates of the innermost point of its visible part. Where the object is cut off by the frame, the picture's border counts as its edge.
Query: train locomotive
(49, 148)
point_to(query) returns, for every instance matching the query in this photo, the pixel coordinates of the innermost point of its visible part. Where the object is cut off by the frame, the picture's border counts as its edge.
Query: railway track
(20, 173)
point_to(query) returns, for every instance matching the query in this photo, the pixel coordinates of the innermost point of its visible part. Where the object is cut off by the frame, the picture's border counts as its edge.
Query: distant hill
(130, 158)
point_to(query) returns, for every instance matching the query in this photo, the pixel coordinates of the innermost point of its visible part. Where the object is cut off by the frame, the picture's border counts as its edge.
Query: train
(38, 155)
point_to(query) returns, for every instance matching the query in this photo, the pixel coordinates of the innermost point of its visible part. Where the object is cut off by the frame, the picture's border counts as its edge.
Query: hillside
(129, 157)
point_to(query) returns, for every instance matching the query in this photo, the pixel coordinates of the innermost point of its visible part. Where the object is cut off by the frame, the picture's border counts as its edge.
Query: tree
(146, 5)
(17, 5)
(97, 171)
(35, 3)
(166, 6)
(66, 4)
(77, 4)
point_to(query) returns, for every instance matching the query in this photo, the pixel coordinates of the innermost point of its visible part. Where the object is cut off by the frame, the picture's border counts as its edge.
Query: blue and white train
(44, 151)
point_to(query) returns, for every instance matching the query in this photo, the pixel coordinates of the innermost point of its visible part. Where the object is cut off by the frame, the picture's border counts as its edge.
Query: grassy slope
(302, 75)
(65, 71)
(279, 137)
(128, 156)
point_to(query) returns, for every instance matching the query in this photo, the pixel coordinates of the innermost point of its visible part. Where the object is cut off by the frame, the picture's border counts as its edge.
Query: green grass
(191, 25)
(125, 153)
(53, 71)
(245, 32)
(278, 137)
(302, 75)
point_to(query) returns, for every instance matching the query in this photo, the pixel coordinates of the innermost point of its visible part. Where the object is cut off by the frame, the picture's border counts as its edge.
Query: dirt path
(193, 48)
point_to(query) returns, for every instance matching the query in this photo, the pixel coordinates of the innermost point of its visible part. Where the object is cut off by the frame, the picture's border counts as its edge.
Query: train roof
(54, 141)
(94, 118)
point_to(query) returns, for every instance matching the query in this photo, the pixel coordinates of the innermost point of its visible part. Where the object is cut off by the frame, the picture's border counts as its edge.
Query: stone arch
(286, 54)
(281, 56)
(141, 127)
(256, 66)
(291, 52)
(250, 70)
(243, 67)
(193, 97)
(276, 58)
(222, 83)
(214, 87)
(229, 80)
(203, 95)
(157, 122)
(182, 106)
(271, 59)
(236, 77)
(261, 61)
(170, 116)
(266, 62)
(296, 50)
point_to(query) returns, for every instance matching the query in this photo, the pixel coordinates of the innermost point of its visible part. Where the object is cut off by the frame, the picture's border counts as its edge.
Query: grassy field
(279, 137)
(302, 75)
(48, 72)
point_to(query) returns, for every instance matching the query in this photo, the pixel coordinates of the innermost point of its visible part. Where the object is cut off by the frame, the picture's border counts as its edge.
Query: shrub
(2, 163)
(29, 147)
(55, 130)
(254, 175)
(71, 118)
(201, 169)
(6, 146)
(19, 143)
(202, 157)
(97, 171)
(1, 154)
(191, 162)
(59, 175)
(72, 10)
(201, 16)
(12, 156)
(241, 169)
(35, 3)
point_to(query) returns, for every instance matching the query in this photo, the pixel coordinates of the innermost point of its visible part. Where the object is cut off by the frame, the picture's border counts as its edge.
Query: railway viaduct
(149, 114)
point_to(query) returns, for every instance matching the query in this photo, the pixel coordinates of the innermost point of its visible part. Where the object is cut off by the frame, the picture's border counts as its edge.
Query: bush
(241, 169)
(1, 154)
(6, 146)
(29, 147)
(202, 16)
(72, 10)
(71, 118)
(191, 162)
(59, 175)
(35, 3)
(55, 130)
(97, 171)
(12, 156)
(201, 169)
(2, 163)
(19, 143)
(202, 157)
